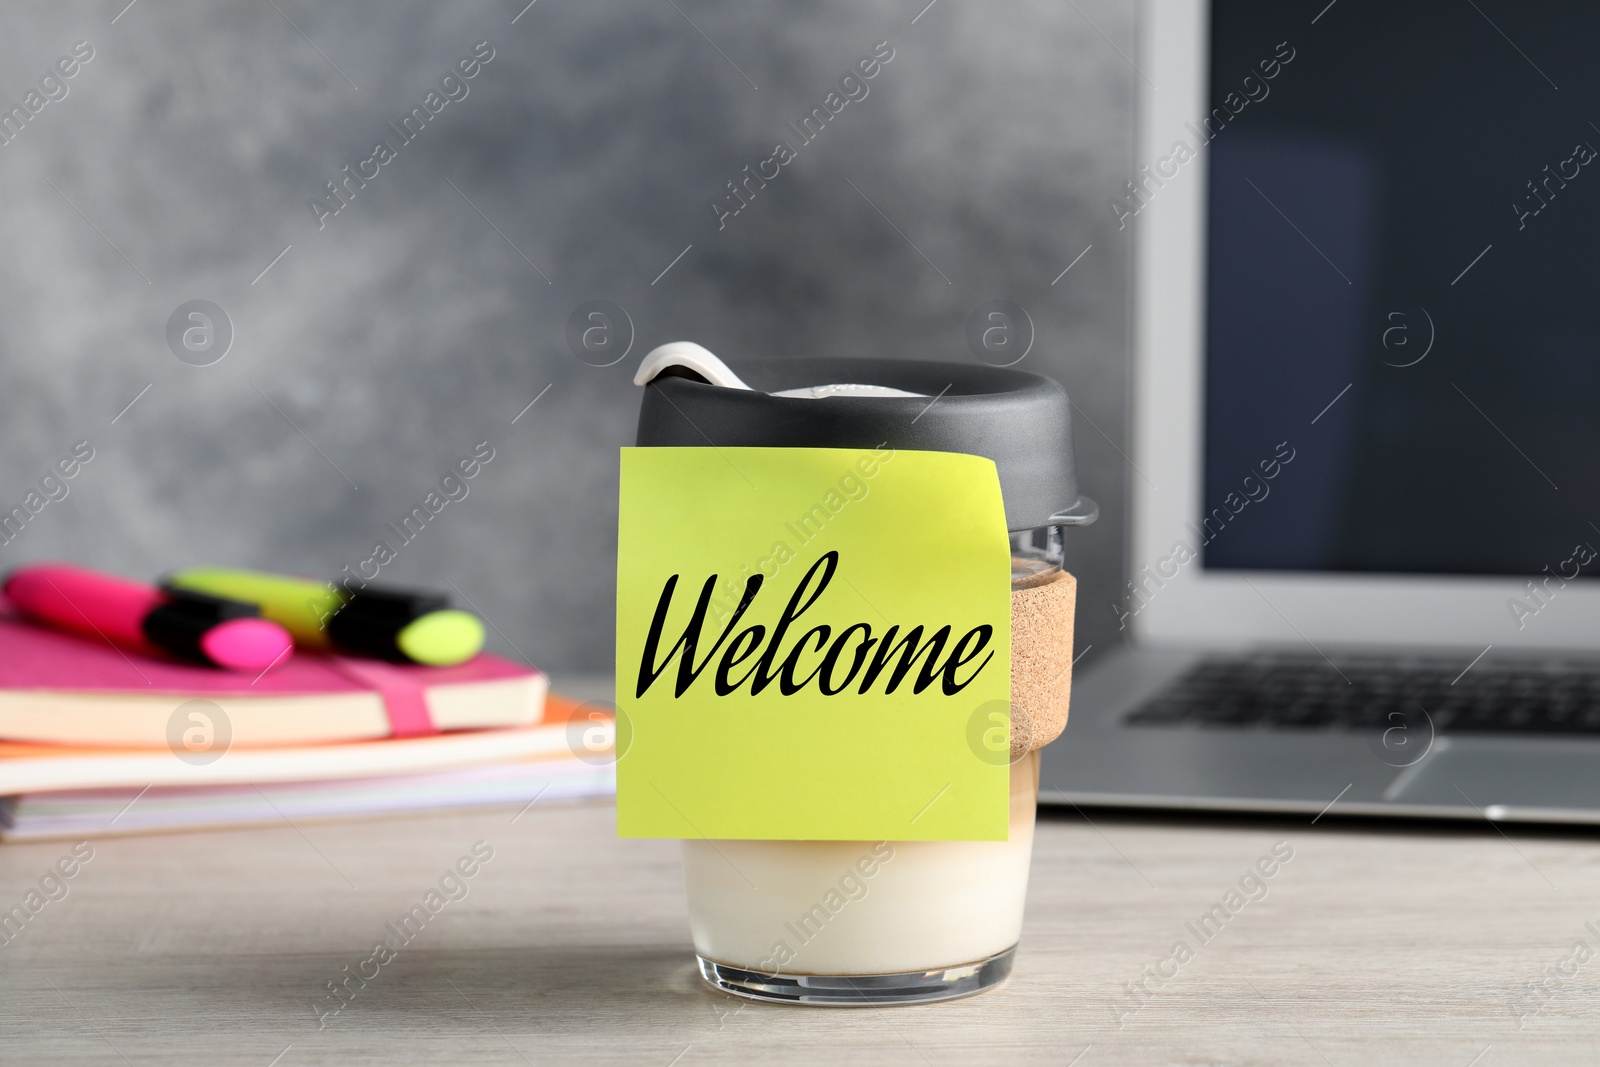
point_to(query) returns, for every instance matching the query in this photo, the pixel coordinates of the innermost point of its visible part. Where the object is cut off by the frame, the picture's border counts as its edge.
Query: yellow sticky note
(810, 644)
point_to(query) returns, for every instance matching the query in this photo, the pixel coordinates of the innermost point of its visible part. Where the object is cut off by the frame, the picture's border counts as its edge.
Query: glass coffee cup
(892, 922)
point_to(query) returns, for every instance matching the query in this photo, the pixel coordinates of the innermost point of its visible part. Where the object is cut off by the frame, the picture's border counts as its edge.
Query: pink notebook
(60, 688)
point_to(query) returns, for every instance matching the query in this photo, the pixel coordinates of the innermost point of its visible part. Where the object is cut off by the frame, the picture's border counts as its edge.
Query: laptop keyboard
(1307, 693)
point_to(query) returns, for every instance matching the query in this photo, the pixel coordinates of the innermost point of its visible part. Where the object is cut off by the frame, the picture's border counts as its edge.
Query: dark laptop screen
(1403, 287)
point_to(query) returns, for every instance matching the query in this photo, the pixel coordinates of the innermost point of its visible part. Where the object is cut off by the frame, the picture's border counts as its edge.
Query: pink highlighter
(192, 626)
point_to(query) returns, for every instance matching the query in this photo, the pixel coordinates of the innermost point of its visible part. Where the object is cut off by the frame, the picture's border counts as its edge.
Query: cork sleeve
(1041, 660)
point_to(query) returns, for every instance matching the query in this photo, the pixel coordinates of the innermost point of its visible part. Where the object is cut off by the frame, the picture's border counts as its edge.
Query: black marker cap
(1022, 421)
(370, 622)
(178, 625)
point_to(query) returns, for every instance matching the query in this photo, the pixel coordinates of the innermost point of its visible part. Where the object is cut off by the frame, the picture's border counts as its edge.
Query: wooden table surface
(1371, 946)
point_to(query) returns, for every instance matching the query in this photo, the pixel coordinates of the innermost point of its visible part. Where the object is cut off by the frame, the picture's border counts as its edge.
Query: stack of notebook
(97, 739)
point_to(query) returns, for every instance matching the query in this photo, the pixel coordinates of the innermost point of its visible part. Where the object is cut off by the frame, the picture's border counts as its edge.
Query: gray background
(408, 329)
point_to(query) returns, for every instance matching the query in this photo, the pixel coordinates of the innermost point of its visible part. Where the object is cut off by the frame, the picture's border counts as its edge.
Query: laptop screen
(1403, 289)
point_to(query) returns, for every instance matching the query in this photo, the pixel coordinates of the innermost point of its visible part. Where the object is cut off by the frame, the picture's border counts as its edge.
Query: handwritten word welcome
(767, 670)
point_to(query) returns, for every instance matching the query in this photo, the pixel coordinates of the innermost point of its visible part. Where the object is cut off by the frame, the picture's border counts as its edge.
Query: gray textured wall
(406, 329)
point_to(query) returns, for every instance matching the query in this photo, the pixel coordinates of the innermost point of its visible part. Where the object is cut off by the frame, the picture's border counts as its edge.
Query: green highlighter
(402, 625)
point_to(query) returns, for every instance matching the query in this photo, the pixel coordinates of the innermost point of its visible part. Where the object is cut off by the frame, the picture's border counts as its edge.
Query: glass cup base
(860, 990)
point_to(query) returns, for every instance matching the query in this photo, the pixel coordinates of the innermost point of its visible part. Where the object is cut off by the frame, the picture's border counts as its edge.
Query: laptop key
(1366, 694)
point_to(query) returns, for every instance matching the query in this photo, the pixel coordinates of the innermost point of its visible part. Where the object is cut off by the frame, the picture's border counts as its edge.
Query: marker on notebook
(393, 624)
(193, 626)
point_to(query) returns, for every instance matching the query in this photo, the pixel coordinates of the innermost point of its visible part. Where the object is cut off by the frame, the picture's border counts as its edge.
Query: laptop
(1365, 463)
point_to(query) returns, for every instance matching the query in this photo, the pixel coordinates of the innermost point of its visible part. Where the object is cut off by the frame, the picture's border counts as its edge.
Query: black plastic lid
(371, 620)
(178, 625)
(1021, 421)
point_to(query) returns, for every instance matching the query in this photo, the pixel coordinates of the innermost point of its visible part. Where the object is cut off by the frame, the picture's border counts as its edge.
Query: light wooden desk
(1372, 947)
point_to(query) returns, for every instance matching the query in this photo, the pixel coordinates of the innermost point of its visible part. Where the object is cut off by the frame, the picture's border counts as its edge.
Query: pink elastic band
(404, 698)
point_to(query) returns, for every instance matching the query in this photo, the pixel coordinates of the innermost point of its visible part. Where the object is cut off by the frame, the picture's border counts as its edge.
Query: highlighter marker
(401, 625)
(224, 633)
